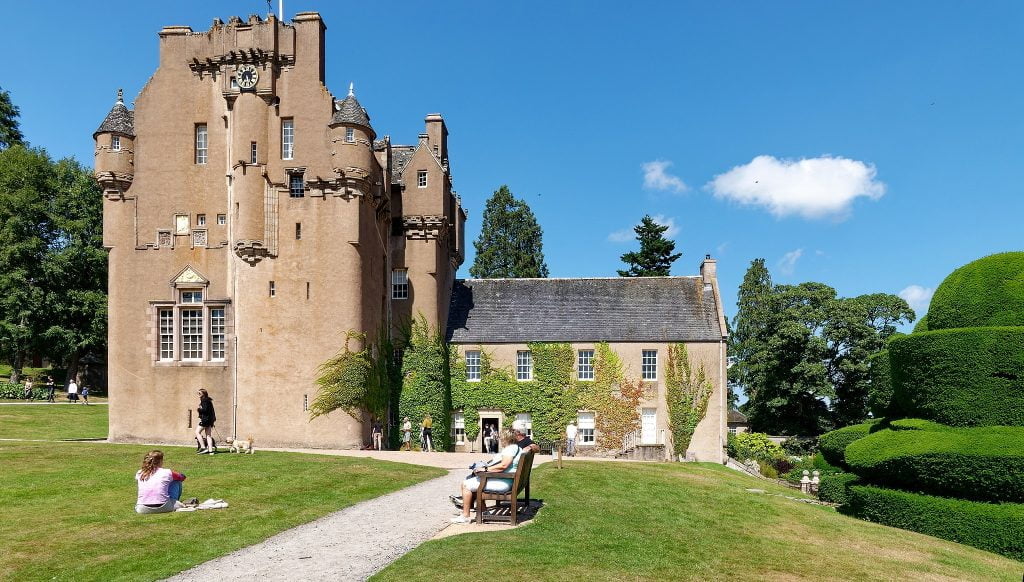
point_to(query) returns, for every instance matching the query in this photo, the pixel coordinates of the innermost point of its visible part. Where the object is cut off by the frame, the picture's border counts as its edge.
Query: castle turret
(352, 143)
(115, 149)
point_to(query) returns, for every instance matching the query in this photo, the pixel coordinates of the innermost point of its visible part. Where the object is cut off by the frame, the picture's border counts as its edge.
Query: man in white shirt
(570, 440)
(73, 391)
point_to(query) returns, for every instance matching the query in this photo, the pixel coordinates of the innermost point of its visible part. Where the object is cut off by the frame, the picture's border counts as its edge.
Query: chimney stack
(708, 269)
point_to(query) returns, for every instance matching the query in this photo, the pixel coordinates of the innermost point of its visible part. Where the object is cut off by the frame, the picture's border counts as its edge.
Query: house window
(222, 219)
(459, 427)
(200, 220)
(253, 152)
(191, 334)
(115, 143)
(472, 365)
(296, 189)
(191, 296)
(273, 289)
(350, 134)
(287, 139)
(166, 334)
(217, 333)
(400, 284)
(201, 144)
(585, 365)
(524, 365)
(585, 423)
(421, 178)
(732, 430)
(524, 423)
(649, 365)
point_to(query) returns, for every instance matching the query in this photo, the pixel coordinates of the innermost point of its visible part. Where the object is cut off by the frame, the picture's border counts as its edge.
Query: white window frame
(288, 139)
(222, 219)
(115, 143)
(524, 422)
(191, 296)
(218, 337)
(649, 365)
(200, 220)
(400, 283)
(272, 289)
(254, 153)
(165, 329)
(421, 178)
(202, 143)
(524, 366)
(473, 365)
(350, 134)
(191, 327)
(585, 365)
(586, 424)
(459, 427)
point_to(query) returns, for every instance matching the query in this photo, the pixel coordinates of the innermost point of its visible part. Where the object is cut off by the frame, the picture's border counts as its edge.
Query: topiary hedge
(961, 377)
(994, 527)
(834, 488)
(916, 424)
(985, 464)
(880, 389)
(832, 444)
(984, 293)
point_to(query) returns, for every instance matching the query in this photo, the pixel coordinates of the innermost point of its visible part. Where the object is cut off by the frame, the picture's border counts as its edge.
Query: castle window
(298, 231)
(115, 143)
(166, 334)
(296, 188)
(191, 296)
(524, 365)
(253, 151)
(585, 365)
(585, 422)
(200, 220)
(350, 134)
(649, 365)
(459, 427)
(472, 365)
(201, 143)
(400, 284)
(222, 219)
(217, 334)
(191, 334)
(421, 179)
(287, 139)
(187, 325)
(273, 289)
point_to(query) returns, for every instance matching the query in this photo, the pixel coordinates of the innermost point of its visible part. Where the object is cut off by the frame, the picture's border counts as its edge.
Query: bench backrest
(523, 472)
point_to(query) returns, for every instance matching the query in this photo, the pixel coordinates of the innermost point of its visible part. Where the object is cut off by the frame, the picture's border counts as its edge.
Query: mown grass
(67, 509)
(612, 521)
(52, 421)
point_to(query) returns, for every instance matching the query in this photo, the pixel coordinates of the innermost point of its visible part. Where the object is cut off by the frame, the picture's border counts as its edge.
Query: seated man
(524, 442)
(510, 455)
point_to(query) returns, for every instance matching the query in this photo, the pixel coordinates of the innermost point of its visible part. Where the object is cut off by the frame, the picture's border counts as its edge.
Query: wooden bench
(520, 484)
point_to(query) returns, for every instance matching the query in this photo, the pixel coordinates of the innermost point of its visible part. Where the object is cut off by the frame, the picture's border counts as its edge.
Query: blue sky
(872, 146)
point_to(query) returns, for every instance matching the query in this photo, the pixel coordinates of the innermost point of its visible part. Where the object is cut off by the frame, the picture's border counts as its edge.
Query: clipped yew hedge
(983, 293)
(880, 389)
(832, 444)
(994, 527)
(834, 488)
(961, 377)
(984, 464)
(917, 424)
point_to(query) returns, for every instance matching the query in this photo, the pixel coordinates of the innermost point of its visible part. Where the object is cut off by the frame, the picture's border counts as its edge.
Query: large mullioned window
(191, 329)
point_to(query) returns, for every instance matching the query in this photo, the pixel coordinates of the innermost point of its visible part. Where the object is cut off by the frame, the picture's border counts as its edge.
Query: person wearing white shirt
(73, 391)
(570, 440)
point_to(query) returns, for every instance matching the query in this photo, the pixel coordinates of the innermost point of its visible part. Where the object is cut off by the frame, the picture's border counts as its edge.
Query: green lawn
(52, 421)
(616, 521)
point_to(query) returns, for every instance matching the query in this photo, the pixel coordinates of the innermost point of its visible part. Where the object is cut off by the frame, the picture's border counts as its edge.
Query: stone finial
(120, 96)
(351, 89)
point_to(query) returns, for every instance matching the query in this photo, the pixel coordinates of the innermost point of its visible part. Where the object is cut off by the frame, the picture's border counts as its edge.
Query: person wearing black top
(207, 417)
(525, 442)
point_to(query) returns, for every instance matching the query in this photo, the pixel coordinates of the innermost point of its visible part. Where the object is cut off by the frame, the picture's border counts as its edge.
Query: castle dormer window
(350, 134)
(115, 143)
(421, 179)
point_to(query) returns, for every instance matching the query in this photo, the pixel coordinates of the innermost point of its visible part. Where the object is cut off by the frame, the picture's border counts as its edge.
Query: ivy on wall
(425, 387)
(344, 381)
(687, 393)
(613, 398)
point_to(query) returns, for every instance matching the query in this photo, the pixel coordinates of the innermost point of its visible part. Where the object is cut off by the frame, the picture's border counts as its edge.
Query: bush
(768, 470)
(832, 444)
(961, 377)
(994, 527)
(834, 488)
(984, 293)
(11, 391)
(754, 445)
(880, 388)
(917, 424)
(922, 325)
(800, 446)
(985, 464)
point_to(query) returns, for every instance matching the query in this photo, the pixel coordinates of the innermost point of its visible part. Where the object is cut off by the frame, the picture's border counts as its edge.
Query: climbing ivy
(687, 394)
(344, 381)
(425, 387)
(613, 398)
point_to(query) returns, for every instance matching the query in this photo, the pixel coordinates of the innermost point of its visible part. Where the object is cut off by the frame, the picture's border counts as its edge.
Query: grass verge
(618, 521)
(52, 421)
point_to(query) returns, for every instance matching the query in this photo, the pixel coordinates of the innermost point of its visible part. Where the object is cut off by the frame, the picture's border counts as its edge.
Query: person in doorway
(524, 442)
(407, 434)
(427, 439)
(510, 455)
(488, 435)
(570, 439)
(73, 391)
(377, 434)
(207, 418)
(51, 390)
(159, 488)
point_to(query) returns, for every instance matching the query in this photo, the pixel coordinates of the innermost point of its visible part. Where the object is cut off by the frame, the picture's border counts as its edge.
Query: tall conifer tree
(510, 243)
(10, 133)
(655, 257)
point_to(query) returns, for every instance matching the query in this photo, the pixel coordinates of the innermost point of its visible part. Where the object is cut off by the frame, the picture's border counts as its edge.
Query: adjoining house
(737, 422)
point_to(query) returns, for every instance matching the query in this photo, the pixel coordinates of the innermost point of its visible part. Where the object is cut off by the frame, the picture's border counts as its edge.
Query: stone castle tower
(252, 219)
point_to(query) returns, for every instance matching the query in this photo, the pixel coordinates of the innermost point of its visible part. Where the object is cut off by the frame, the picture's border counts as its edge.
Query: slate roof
(400, 158)
(621, 309)
(350, 111)
(119, 120)
(735, 416)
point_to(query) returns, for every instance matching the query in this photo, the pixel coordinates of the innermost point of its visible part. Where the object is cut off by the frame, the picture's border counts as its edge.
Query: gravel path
(352, 544)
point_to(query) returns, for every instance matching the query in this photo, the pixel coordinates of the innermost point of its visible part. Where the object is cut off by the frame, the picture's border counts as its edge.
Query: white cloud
(787, 264)
(656, 178)
(622, 236)
(662, 220)
(811, 187)
(918, 298)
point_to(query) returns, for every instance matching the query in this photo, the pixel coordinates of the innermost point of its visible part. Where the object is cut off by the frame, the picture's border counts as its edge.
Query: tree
(655, 256)
(510, 243)
(748, 337)
(10, 133)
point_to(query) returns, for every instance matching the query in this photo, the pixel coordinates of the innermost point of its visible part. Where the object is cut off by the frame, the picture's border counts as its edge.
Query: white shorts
(493, 485)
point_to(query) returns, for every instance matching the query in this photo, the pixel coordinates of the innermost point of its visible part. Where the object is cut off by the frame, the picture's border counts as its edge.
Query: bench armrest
(485, 476)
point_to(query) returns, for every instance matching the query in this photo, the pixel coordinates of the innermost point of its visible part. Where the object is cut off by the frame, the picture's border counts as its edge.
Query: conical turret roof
(119, 120)
(349, 111)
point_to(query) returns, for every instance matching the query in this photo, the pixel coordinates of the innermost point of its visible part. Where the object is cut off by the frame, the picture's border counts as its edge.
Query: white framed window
(732, 430)
(217, 333)
(200, 220)
(350, 134)
(191, 334)
(459, 427)
(166, 324)
(585, 365)
(472, 365)
(296, 187)
(202, 143)
(524, 365)
(585, 423)
(421, 179)
(272, 289)
(115, 143)
(287, 139)
(222, 219)
(253, 152)
(649, 365)
(400, 284)
(524, 423)
(191, 296)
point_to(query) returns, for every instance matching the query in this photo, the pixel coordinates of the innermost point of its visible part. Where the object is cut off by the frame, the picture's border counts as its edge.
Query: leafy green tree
(510, 242)
(10, 133)
(655, 257)
(749, 334)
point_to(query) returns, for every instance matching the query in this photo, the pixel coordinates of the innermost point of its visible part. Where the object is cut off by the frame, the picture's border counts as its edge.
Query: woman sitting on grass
(159, 488)
(510, 454)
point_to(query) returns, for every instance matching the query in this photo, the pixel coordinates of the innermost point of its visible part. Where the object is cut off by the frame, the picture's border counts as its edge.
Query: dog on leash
(242, 446)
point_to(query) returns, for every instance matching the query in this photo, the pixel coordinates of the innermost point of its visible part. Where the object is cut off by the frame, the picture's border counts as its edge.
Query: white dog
(242, 446)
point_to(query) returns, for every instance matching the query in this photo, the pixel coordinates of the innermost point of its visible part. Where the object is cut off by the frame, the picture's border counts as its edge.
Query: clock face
(246, 76)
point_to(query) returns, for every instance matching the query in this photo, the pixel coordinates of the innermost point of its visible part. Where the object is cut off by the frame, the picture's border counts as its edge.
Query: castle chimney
(708, 269)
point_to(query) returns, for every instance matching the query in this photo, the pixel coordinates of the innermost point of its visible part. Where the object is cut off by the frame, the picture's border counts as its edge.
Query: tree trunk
(19, 362)
(72, 366)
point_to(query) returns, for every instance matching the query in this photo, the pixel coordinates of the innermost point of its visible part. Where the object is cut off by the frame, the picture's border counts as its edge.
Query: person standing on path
(570, 439)
(407, 434)
(207, 418)
(28, 388)
(428, 437)
(51, 389)
(73, 391)
(85, 394)
(377, 433)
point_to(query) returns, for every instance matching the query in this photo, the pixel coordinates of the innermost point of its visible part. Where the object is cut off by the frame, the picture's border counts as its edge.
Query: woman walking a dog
(207, 417)
(159, 488)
